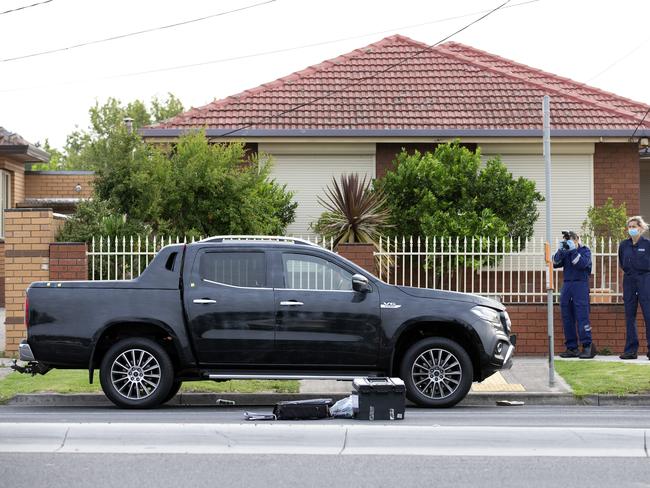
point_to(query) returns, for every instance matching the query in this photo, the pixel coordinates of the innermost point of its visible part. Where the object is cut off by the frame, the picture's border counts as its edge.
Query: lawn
(595, 377)
(76, 381)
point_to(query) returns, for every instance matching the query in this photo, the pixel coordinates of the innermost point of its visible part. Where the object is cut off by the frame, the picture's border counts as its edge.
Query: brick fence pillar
(361, 254)
(28, 234)
(68, 261)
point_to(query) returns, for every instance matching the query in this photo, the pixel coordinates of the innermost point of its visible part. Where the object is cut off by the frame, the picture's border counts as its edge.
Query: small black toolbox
(378, 398)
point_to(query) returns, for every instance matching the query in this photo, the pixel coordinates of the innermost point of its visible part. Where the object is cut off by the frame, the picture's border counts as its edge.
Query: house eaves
(26, 153)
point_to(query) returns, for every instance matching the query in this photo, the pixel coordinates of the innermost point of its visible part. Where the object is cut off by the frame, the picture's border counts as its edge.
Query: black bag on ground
(318, 408)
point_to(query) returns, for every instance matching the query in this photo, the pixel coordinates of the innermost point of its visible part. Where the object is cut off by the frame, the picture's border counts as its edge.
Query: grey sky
(47, 96)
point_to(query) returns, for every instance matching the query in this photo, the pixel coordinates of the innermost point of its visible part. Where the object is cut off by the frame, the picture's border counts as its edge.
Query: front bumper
(25, 352)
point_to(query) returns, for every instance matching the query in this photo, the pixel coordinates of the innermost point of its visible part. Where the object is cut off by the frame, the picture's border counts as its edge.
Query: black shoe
(588, 352)
(570, 353)
(628, 355)
(648, 355)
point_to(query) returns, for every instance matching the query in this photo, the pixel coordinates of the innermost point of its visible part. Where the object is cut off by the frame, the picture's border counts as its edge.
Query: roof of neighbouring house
(13, 145)
(402, 86)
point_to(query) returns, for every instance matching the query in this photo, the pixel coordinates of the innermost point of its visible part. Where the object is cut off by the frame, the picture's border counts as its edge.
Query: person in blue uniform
(575, 259)
(634, 259)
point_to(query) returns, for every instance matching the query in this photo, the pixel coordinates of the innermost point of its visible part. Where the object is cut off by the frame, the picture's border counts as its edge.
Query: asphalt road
(464, 446)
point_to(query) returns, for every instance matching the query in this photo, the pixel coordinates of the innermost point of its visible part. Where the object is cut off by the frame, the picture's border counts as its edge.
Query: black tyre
(136, 373)
(176, 385)
(437, 372)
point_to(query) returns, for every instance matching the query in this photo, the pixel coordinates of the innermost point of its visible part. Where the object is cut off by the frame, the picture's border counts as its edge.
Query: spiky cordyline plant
(354, 213)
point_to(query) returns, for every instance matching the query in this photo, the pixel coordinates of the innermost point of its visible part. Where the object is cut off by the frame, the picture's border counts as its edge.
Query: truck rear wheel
(437, 372)
(136, 373)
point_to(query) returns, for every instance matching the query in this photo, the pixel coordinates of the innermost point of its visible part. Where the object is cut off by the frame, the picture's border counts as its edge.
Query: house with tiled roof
(355, 112)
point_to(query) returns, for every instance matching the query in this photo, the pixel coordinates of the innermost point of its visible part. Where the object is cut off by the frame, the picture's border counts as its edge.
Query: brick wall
(53, 184)
(360, 254)
(607, 323)
(68, 261)
(616, 175)
(28, 234)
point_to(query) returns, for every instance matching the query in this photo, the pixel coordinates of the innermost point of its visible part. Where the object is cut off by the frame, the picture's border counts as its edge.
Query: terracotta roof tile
(451, 86)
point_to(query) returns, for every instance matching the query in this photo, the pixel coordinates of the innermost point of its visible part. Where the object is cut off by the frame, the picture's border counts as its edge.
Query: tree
(607, 221)
(354, 213)
(449, 193)
(193, 188)
(93, 148)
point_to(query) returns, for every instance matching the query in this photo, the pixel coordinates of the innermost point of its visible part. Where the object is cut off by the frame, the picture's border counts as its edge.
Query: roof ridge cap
(580, 98)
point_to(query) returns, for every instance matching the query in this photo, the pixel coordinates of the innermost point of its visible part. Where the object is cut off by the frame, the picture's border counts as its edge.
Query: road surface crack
(645, 442)
(345, 442)
(228, 439)
(65, 437)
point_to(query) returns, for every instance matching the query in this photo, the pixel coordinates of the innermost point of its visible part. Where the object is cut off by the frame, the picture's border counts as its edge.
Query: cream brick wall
(53, 185)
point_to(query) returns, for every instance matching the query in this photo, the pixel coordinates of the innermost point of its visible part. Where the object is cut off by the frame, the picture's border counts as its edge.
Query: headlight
(489, 315)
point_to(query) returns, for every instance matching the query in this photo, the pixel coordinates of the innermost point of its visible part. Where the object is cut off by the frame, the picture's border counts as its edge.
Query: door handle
(291, 303)
(203, 301)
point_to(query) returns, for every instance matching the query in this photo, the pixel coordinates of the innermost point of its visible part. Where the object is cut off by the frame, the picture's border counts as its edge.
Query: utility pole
(546, 109)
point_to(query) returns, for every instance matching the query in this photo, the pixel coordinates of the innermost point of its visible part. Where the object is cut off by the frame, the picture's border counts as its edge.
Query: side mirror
(360, 283)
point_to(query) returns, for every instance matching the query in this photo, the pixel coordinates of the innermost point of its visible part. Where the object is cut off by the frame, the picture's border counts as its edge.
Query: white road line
(301, 438)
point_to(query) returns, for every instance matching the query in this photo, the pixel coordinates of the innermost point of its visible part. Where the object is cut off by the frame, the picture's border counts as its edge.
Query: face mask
(633, 232)
(572, 245)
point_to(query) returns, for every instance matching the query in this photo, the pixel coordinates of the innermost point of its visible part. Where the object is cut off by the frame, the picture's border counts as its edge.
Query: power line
(132, 34)
(625, 56)
(642, 120)
(366, 78)
(260, 54)
(25, 7)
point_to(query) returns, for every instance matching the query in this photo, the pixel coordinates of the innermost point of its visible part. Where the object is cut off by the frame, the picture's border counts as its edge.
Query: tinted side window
(234, 268)
(303, 272)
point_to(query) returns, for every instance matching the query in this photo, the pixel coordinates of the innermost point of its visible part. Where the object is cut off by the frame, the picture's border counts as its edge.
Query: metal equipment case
(379, 398)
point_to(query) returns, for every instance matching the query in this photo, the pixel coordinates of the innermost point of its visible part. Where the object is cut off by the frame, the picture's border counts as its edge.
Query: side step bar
(256, 376)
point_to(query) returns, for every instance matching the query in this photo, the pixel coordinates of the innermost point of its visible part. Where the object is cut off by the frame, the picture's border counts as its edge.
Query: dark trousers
(636, 290)
(574, 303)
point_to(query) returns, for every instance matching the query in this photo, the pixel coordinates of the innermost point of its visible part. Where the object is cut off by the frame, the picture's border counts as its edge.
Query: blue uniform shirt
(634, 259)
(576, 263)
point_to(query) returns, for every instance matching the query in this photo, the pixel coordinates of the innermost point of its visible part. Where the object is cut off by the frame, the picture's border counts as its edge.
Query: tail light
(26, 311)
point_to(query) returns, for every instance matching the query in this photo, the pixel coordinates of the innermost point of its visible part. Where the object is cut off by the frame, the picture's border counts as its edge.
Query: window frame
(5, 198)
(283, 282)
(203, 252)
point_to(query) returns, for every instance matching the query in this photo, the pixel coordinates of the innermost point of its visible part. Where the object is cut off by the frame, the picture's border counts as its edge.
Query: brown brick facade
(360, 254)
(68, 261)
(529, 322)
(17, 172)
(49, 184)
(617, 174)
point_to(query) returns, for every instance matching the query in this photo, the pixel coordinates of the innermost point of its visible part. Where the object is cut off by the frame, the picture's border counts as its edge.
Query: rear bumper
(25, 352)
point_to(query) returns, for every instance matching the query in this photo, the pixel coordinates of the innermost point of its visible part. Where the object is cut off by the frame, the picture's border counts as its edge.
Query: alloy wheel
(436, 373)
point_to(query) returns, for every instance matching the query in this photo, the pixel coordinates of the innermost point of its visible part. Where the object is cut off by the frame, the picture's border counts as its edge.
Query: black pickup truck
(234, 307)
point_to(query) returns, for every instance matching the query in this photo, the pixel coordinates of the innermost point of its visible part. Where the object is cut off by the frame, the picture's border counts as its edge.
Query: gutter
(233, 133)
(25, 152)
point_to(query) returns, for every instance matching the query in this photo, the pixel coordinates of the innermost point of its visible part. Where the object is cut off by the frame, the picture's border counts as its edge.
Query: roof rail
(293, 240)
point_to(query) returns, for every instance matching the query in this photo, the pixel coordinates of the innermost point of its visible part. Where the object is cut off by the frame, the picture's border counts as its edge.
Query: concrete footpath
(527, 381)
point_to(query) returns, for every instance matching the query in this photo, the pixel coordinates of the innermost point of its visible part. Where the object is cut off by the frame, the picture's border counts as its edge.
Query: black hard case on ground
(379, 398)
(317, 408)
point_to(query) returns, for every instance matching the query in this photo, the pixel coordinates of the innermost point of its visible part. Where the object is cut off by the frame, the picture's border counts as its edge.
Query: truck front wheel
(437, 372)
(136, 373)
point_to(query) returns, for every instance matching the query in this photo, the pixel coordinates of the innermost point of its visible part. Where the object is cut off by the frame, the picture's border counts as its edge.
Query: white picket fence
(513, 271)
(125, 258)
